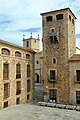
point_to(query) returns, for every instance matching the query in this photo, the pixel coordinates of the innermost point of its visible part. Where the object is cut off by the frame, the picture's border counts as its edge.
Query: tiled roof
(75, 57)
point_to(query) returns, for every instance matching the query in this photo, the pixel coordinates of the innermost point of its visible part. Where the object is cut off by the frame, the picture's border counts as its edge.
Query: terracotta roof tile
(75, 57)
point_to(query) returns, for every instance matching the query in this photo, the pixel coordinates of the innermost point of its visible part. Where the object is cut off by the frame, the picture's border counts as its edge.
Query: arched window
(18, 70)
(59, 16)
(27, 56)
(54, 61)
(5, 51)
(5, 71)
(17, 54)
(28, 70)
(49, 18)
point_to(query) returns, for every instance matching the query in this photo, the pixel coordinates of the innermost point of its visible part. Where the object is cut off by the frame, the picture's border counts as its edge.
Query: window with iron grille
(77, 97)
(52, 75)
(18, 70)
(53, 95)
(5, 71)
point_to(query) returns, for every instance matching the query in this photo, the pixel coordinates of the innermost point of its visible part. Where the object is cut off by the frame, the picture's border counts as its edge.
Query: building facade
(16, 74)
(34, 44)
(59, 46)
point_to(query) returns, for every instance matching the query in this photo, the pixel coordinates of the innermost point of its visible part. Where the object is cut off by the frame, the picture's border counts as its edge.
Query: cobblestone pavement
(34, 112)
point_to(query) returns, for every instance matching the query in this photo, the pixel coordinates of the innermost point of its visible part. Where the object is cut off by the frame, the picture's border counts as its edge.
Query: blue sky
(18, 17)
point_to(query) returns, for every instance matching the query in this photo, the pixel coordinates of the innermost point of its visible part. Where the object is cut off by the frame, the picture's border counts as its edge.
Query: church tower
(58, 28)
(31, 43)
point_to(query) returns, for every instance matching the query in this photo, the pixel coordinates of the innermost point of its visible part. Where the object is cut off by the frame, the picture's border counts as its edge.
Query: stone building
(16, 74)
(34, 44)
(61, 64)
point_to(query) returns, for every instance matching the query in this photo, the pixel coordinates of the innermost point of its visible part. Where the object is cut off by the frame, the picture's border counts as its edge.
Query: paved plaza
(35, 112)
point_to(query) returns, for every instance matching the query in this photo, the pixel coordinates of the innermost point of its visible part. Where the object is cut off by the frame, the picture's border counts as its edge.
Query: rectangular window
(6, 90)
(5, 71)
(18, 71)
(53, 95)
(5, 104)
(52, 75)
(28, 85)
(78, 75)
(77, 97)
(18, 88)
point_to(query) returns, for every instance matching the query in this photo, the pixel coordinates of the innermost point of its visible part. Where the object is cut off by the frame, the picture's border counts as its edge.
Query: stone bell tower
(58, 46)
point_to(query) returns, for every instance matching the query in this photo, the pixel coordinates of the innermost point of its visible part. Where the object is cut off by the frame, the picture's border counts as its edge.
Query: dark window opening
(72, 21)
(69, 17)
(28, 97)
(27, 56)
(27, 44)
(5, 71)
(78, 75)
(53, 95)
(18, 100)
(28, 70)
(77, 97)
(18, 70)
(54, 60)
(59, 16)
(28, 85)
(52, 75)
(37, 62)
(18, 87)
(49, 18)
(52, 30)
(6, 90)
(5, 104)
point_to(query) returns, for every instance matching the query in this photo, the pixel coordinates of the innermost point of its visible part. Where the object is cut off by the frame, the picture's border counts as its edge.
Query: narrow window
(53, 95)
(37, 62)
(28, 85)
(77, 97)
(72, 21)
(18, 70)
(18, 87)
(69, 17)
(52, 76)
(5, 51)
(49, 18)
(5, 104)
(54, 61)
(28, 97)
(28, 70)
(27, 44)
(17, 54)
(59, 16)
(6, 90)
(5, 71)
(18, 100)
(78, 75)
